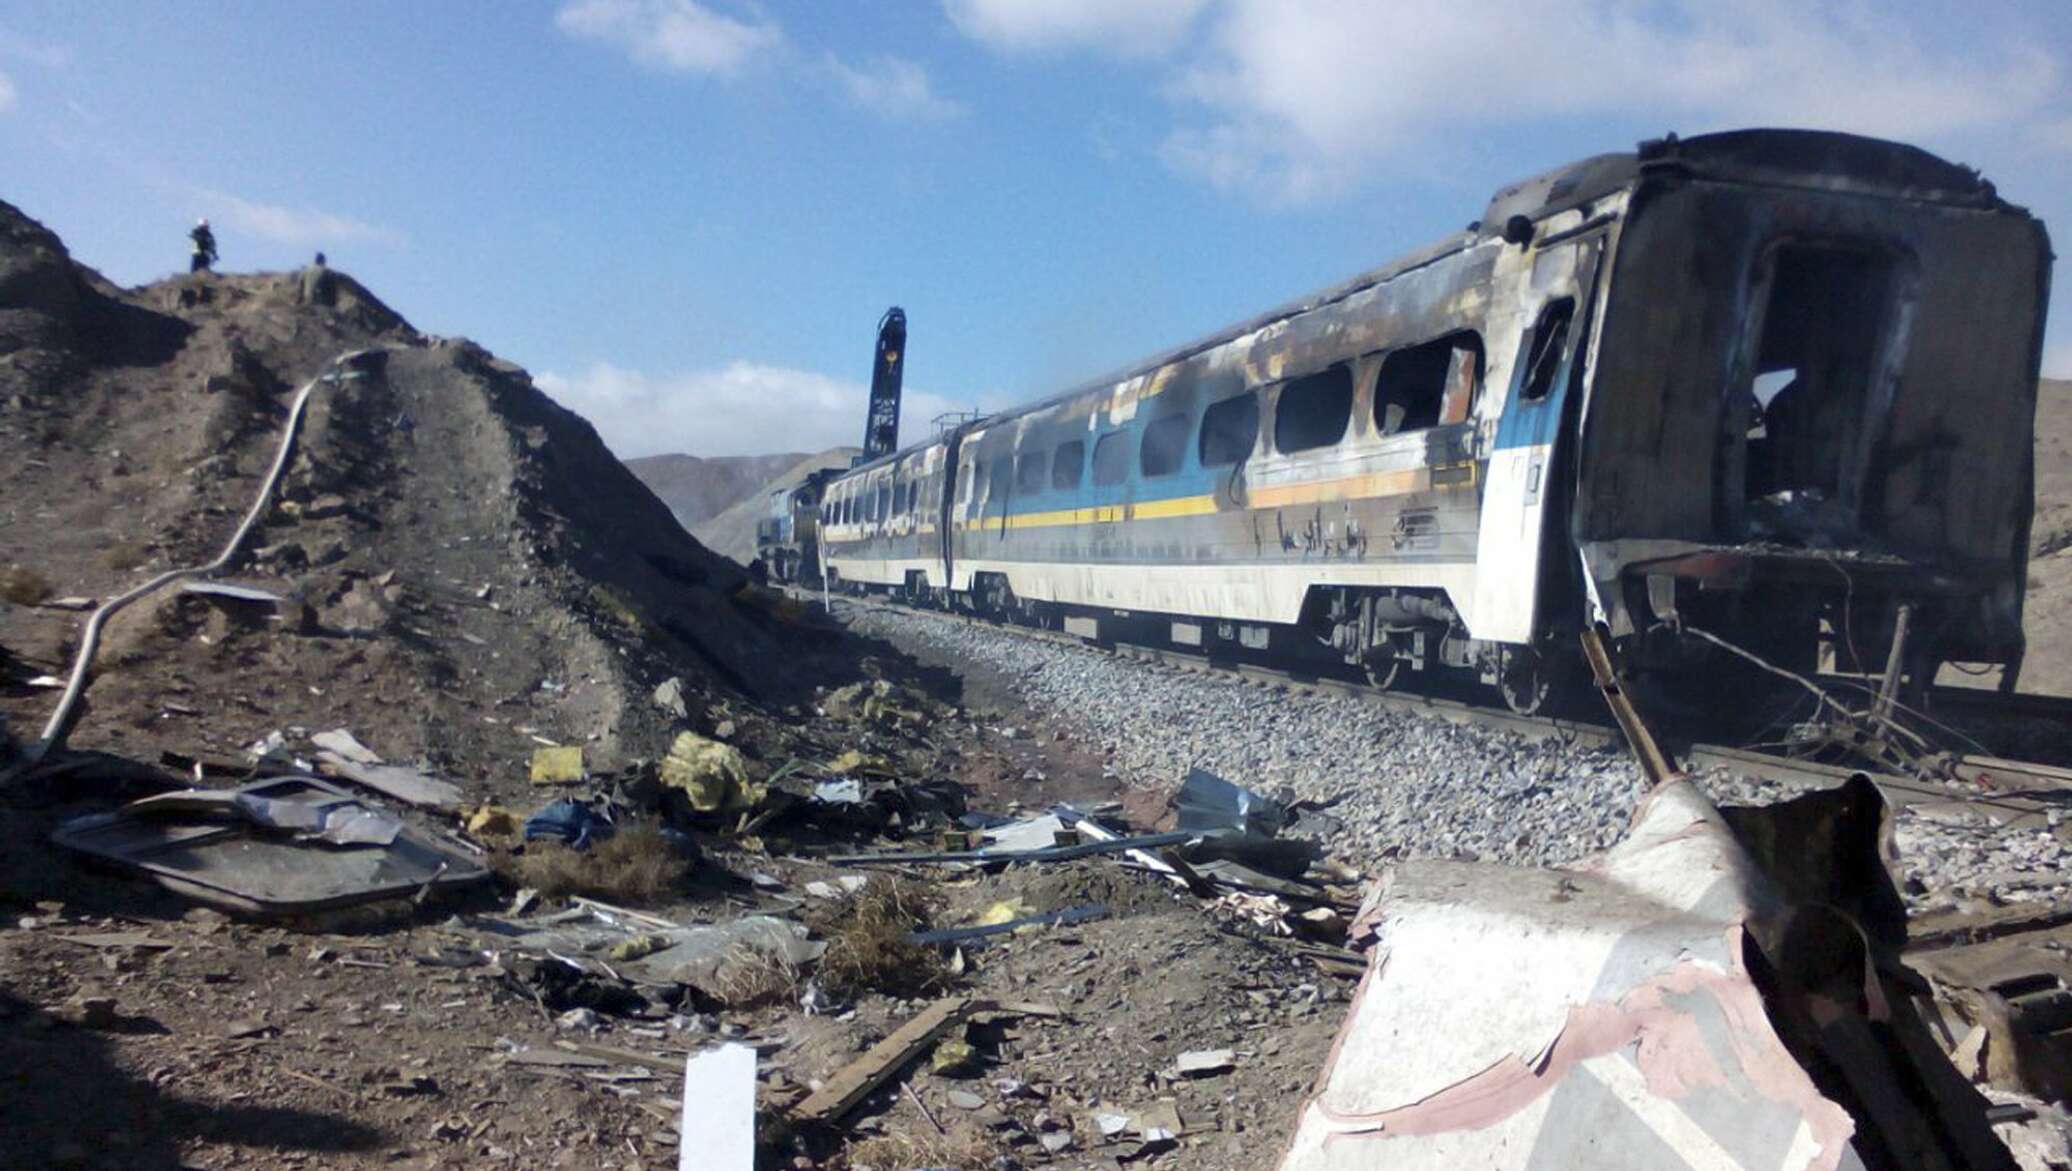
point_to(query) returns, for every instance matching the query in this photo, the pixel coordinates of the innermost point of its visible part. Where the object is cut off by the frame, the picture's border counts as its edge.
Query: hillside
(462, 564)
(732, 532)
(697, 489)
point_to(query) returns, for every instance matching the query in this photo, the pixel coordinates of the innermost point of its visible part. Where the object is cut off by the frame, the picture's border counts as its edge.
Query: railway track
(2003, 970)
(2010, 792)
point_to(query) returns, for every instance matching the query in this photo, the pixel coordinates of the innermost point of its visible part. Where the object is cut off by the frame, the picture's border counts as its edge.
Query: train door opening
(1798, 433)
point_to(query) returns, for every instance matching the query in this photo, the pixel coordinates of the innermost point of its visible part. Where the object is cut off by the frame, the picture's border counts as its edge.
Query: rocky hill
(464, 569)
(732, 532)
(698, 488)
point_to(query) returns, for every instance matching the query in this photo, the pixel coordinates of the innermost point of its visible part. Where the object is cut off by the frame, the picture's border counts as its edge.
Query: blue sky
(685, 217)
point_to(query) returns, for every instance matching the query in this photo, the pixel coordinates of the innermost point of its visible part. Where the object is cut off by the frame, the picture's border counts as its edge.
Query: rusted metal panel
(1666, 1004)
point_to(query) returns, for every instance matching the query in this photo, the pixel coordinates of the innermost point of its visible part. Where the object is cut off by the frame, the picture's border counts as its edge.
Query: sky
(685, 217)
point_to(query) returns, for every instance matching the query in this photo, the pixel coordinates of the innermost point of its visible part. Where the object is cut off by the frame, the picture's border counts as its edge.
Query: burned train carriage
(1771, 389)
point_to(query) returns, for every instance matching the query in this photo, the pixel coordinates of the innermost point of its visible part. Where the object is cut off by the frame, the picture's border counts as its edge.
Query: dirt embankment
(462, 563)
(732, 532)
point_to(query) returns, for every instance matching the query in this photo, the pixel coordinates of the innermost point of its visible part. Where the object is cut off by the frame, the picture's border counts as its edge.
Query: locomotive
(1757, 403)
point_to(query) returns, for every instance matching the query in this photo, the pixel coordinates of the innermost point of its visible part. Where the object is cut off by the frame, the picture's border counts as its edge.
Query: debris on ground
(282, 846)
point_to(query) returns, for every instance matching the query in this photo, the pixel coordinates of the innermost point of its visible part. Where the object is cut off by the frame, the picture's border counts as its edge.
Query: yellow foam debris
(493, 821)
(557, 766)
(712, 774)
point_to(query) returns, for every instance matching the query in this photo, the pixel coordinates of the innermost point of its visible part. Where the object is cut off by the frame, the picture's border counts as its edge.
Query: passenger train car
(1766, 390)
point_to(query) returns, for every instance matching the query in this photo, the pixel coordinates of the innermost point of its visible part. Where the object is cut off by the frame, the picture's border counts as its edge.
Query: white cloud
(301, 226)
(1122, 28)
(893, 88)
(678, 36)
(7, 93)
(1305, 96)
(46, 54)
(742, 408)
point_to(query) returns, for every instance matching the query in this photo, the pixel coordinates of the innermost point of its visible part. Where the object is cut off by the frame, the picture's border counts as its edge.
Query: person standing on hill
(204, 247)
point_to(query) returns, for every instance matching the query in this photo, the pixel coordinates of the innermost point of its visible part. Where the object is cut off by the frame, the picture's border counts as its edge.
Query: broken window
(1164, 447)
(1823, 328)
(1549, 343)
(1425, 385)
(1229, 430)
(1112, 459)
(1031, 470)
(1314, 411)
(1067, 465)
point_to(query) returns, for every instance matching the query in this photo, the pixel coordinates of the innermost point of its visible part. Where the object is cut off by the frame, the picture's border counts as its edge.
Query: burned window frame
(1166, 438)
(1442, 410)
(1537, 356)
(1211, 418)
(1060, 482)
(1038, 461)
(1335, 380)
(1117, 442)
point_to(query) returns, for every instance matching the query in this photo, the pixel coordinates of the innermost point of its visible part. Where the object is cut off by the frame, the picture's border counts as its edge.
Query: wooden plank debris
(857, 1079)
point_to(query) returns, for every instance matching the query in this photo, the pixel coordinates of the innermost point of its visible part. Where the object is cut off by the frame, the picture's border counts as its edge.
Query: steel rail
(1997, 786)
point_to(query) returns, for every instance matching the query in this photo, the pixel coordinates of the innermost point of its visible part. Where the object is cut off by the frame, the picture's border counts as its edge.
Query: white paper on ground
(718, 1131)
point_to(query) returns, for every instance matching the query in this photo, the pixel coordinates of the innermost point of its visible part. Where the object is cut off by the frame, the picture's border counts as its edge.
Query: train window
(1000, 482)
(1111, 459)
(1549, 343)
(1425, 385)
(1229, 430)
(1164, 447)
(1031, 470)
(883, 507)
(1314, 410)
(899, 499)
(1067, 464)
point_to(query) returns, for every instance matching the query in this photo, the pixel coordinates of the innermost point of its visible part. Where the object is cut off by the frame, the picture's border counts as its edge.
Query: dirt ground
(461, 575)
(387, 1041)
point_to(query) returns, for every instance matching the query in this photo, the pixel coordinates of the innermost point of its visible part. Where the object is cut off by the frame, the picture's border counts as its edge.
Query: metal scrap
(1702, 995)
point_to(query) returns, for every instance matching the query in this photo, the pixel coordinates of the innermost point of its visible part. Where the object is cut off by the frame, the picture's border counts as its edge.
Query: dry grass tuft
(23, 586)
(867, 948)
(634, 866)
(125, 556)
(963, 1148)
(750, 978)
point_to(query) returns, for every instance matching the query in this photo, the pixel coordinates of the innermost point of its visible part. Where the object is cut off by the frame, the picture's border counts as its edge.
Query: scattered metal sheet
(1049, 854)
(229, 592)
(342, 743)
(669, 954)
(216, 851)
(1207, 802)
(403, 784)
(1699, 996)
(342, 821)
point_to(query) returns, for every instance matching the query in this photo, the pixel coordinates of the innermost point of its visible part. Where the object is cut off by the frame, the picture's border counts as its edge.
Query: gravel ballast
(1415, 785)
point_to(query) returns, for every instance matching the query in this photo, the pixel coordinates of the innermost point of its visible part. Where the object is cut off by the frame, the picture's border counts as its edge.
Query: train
(1753, 404)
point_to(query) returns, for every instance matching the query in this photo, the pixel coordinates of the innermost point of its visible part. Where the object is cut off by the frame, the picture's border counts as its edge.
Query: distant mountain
(698, 488)
(732, 533)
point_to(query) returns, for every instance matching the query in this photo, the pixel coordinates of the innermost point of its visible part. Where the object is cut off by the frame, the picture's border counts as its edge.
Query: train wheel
(1524, 679)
